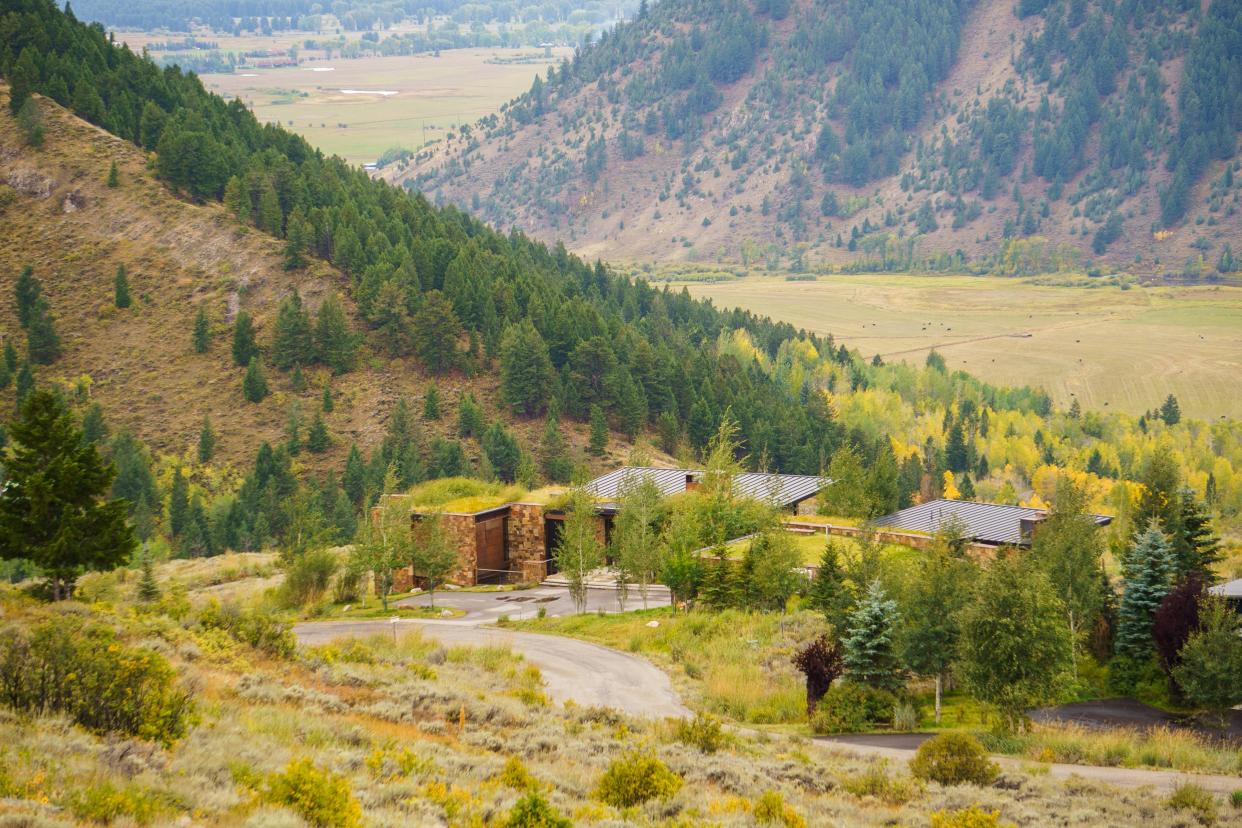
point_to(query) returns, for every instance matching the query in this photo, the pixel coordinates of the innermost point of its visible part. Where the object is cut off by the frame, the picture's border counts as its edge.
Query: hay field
(391, 101)
(1112, 349)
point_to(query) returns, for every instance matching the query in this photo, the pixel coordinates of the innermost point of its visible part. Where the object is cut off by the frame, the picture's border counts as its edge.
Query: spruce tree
(148, 589)
(1147, 570)
(202, 333)
(317, 440)
(6, 375)
(52, 508)
(526, 372)
(291, 335)
(354, 480)
(1196, 548)
(469, 417)
(10, 356)
(1171, 411)
(554, 459)
(326, 405)
(435, 333)
(178, 503)
(335, 344)
(254, 386)
(94, 429)
(120, 288)
(828, 593)
(244, 347)
(431, 403)
(297, 380)
(25, 383)
(28, 291)
(869, 648)
(113, 178)
(599, 432)
(42, 341)
(293, 430)
(206, 442)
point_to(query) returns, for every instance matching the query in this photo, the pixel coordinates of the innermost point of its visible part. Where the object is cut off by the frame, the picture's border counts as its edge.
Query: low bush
(106, 803)
(876, 783)
(516, 776)
(320, 797)
(257, 629)
(65, 665)
(307, 578)
(849, 707)
(1197, 801)
(634, 778)
(533, 811)
(702, 732)
(772, 810)
(1235, 798)
(972, 817)
(953, 759)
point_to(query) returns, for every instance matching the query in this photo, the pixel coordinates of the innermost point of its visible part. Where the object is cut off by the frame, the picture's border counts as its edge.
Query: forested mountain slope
(212, 211)
(1019, 136)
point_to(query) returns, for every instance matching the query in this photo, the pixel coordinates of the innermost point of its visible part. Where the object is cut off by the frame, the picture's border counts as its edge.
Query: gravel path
(587, 674)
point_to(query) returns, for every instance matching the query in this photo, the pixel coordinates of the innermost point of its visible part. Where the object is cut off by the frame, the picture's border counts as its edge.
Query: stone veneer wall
(527, 545)
(459, 529)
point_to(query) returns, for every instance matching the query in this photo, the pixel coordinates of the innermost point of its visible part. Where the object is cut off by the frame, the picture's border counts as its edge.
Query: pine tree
(148, 589)
(293, 430)
(42, 341)
(120, 288)
(317, 441)
(955, 454)
(526, 373)
(599, 432)
(297, 380)
(469, 417)
(244, 347)
(178, 503)
(1147, 571)
(254, 386)
(113, 180)
(431, 403)
(291, 335)
(502, 452)
(202, 333)
(869, 648)
(327, 405)
(1196, 549)
(94, 429)
(10, 356)
(206, 442)
(435, 332)
(52, 507)
(6, 375)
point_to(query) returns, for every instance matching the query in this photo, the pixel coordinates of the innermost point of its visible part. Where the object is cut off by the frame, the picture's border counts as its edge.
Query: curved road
(573, 670)
(591, 675)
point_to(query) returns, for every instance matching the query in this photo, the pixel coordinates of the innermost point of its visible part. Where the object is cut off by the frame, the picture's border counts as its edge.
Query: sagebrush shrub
(320, 797)
(253, 627)
(1198, 801)
(771, 809)
(634, 778)
(702, 732)
(106, 803)
(953, 759)
(533, 811)
(64, 665)
(972, 817)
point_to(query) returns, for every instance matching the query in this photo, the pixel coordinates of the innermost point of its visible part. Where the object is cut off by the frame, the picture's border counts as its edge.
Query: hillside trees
(526, 374)
(53, 508)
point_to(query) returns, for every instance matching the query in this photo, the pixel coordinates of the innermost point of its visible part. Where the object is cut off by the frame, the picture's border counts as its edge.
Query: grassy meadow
(1110, 348)
(432, 95)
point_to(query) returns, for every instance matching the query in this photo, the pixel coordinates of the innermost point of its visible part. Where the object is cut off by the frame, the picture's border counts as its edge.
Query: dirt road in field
(587, 674)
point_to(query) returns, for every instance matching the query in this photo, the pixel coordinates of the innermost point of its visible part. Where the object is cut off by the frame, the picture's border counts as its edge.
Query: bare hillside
(59, 215)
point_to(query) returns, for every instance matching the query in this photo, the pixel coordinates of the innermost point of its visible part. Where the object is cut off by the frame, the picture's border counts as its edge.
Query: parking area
(488, 607)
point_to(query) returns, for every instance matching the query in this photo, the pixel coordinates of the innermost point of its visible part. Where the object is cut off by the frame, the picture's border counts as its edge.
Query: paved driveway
(587, 674)
(487, 607)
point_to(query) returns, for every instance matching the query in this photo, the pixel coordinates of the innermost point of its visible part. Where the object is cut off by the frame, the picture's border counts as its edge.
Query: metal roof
(1229, 589)
(984, 522)
(780, 489)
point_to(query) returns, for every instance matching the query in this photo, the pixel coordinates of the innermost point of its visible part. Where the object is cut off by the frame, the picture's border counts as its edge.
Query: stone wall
(459, 529)
(527, 544)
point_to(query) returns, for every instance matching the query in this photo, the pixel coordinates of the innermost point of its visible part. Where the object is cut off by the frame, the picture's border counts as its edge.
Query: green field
(1112, 349)
(429, 96)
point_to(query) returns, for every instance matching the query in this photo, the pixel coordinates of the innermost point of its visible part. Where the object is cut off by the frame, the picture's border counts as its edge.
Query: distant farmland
(1111, 349)
(359, 108)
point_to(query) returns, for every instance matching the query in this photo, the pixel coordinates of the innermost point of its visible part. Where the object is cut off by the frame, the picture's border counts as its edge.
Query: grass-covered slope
(893, 134)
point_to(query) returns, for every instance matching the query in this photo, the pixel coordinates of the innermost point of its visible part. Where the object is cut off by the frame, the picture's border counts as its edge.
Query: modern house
(987, 524)
(514, 541)
(1231, 591)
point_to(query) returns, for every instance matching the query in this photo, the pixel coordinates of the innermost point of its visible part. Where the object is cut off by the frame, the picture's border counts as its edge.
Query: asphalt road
(518, 604)
(587, 674)
(897, 747)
